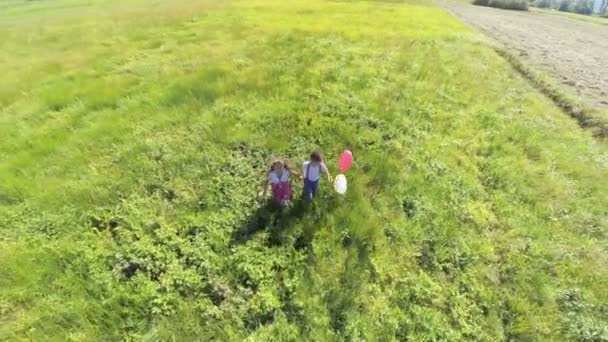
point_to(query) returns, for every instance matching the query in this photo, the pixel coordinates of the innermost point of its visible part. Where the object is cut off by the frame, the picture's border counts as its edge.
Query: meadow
(136, 135)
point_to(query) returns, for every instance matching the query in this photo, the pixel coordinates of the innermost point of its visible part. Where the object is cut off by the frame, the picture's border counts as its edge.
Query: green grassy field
(135, 135)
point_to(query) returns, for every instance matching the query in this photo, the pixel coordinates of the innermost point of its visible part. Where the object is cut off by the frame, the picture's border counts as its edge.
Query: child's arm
(298, 175)
(326, 170)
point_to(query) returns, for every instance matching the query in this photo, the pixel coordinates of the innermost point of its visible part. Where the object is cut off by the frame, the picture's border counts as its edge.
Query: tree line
(586, 7)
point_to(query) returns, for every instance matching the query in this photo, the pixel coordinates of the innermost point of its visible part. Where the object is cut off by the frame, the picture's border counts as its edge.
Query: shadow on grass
(282, 222)
(272, 217)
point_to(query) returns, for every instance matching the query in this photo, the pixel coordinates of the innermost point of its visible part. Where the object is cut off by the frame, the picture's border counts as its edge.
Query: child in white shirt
(312, 170)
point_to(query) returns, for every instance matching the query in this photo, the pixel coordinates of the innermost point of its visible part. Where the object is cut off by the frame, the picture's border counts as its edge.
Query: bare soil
(573, 52)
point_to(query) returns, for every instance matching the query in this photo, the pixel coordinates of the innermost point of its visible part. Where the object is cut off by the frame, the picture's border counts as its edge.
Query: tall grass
(133, 151)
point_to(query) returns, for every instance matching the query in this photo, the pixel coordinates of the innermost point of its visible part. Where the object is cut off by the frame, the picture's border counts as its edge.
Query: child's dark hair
(316, 156)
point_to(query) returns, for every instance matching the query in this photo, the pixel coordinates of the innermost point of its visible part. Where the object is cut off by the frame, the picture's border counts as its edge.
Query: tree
(543, 3)
(604, 8)
(583, 7)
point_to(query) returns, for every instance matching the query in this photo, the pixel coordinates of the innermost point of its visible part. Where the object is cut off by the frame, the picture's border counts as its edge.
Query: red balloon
(346, 161)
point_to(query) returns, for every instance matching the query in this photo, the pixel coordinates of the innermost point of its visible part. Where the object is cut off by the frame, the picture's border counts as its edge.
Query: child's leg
(308, 190)
(315, 187)
(276, 194)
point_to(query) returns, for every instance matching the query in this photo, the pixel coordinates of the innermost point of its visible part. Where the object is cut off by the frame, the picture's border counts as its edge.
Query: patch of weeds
(217, 291)
(409, 207)
(571, 300)
(580, 322)
(165, 193)
(426, 258)
(110, 223)
(392, 234)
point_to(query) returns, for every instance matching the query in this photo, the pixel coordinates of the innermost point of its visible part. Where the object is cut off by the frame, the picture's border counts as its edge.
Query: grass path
(135, 139)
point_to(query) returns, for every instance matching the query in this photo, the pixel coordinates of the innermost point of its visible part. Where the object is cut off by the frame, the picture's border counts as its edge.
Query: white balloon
(340, 184)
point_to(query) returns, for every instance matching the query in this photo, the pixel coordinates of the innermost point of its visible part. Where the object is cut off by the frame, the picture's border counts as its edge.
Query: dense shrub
(564, 5)
(521, 5)
(480, 2)
(542, 3)
(583, 7)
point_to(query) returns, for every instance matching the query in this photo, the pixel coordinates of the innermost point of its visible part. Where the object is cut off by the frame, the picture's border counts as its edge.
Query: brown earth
(573, 52)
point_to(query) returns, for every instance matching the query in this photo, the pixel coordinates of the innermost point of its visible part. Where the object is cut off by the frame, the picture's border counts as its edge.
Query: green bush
(564, 6)
(480, 2)
(542, 3)
(583, 7)
(520, 5)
